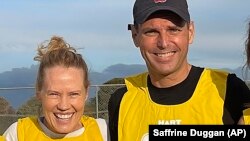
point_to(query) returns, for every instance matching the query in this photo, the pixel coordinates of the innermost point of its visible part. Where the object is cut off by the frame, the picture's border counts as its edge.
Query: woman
(62, 87)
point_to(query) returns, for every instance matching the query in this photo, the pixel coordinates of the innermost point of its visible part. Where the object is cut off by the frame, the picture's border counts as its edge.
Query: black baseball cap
(144, 8)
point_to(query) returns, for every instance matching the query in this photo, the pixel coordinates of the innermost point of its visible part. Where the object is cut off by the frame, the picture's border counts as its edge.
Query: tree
(5, 107)
(6, 119)
(90, 108)
(104, 94)
(31, 107)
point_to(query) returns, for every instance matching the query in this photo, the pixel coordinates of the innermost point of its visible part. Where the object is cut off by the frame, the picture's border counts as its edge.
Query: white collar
(51, 134)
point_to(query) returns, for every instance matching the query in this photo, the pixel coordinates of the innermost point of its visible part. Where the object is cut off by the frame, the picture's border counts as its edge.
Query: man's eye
(151, 33)
(174, 30)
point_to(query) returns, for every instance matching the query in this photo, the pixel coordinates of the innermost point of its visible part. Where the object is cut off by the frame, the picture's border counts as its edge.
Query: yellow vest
(137, 110)
(2, 138)
(29, 130)
(246, 116)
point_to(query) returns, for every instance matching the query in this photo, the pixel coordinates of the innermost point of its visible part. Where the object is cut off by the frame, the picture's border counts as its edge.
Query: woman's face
(63, 97)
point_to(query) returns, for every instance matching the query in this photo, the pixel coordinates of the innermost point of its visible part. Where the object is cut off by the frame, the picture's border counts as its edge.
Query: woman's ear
(87, 94)
(38, 95)
(134, 33)
(86, 97)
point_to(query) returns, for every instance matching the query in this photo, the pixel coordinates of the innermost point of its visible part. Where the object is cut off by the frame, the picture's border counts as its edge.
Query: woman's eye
(53, 95)
(74, 94)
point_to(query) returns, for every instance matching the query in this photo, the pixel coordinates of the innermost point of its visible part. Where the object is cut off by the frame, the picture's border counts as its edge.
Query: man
(172, 91)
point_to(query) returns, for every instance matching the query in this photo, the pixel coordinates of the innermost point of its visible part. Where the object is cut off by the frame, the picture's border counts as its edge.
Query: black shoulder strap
(113, 110)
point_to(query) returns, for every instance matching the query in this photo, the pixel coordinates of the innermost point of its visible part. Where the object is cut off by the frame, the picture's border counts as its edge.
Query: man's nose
(163, 41)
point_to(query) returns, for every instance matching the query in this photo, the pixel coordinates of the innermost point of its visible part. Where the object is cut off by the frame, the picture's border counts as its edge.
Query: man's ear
(191, 32)
(134, 33)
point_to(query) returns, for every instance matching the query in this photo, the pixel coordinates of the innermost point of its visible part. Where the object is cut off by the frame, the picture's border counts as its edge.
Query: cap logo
(160, 1)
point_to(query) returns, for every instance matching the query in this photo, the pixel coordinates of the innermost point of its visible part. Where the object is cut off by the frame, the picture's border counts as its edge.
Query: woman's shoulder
(101, 122)
(11, 133)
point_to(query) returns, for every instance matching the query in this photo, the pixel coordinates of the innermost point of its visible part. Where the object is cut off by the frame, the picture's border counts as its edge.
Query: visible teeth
(64, 116)
(165, 54)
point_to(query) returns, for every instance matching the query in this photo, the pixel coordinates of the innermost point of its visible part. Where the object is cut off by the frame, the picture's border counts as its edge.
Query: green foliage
(115, 81)
(31, 107)
(104, 94)
(5, 107)
(90, 108)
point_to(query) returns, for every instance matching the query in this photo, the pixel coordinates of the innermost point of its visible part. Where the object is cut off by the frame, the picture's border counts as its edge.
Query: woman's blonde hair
(57, 52)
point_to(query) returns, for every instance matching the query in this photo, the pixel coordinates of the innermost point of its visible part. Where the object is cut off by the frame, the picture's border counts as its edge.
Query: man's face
(163, 40)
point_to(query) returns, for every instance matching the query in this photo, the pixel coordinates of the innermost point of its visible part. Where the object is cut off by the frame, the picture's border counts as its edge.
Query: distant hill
(25, 77)
(116, 71)
(18, 77)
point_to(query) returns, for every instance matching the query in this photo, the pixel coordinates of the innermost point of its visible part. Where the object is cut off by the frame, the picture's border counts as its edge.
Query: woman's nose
(64, 103)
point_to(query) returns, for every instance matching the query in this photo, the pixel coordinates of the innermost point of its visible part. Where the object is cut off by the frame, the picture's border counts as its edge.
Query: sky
(99, 29)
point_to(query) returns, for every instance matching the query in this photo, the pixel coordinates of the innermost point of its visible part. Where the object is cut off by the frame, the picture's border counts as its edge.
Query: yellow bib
(2, 138)
(137, 110)
(246, 116)
(29, 130)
